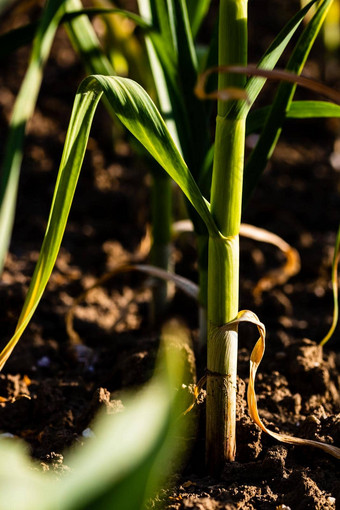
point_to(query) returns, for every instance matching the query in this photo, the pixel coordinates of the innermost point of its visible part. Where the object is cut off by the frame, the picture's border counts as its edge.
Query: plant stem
(223, 261)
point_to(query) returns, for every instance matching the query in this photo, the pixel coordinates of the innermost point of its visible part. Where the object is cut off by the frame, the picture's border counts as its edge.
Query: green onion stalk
(223, 255)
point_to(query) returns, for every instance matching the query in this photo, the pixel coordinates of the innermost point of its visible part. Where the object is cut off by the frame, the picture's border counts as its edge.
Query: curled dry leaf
(255, 360)
(275, 277)
(223, 95)
(280, 275)
(335, 264)
(252, 70)
(187, 286)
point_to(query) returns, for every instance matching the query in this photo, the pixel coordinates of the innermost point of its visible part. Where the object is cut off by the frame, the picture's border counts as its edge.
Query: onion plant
(216, 193)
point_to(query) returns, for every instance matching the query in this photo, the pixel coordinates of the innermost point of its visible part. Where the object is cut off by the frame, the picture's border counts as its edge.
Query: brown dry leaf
(277, 276)
(187, 286)
(255, 360)
(273, 278)
(252, 70)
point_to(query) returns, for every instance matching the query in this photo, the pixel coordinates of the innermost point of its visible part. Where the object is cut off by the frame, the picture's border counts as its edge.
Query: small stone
(44, 362)
(88, 433)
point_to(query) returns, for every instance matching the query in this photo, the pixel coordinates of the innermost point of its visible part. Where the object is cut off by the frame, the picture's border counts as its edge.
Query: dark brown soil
(54, 391)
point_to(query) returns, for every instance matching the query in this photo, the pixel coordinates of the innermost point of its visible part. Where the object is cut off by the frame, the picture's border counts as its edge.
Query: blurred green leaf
(23, 109)
(197, 12)
(18, 37)
(129, 457)
(85, 41)
(134, 451)
(22, 485)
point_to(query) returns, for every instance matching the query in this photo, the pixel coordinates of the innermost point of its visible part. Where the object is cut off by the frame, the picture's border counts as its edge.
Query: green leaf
(194, 109)
(129, 457)
(270, 59)
(102, 11)
(197, 12)
(297, 110)
(175, 74)
(85, 41)
(163, 17)
(255, 84)
(22, 484)
(23, 109)
(137, 449)
(271, 132)
(138, 114)
(21, 36)
(178, 64)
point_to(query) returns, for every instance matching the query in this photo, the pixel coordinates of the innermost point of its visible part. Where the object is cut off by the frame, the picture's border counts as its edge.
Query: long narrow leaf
(297, 110)
(255, 84)
(164, 21)
(138, 447)
(163, 87)
(137, 112)
(175, 73)
(284, 96)
(23, 110)
(270, 59)
(21, 36)
(187, 76)
(86, 43)
(72, 158)
(197, 12)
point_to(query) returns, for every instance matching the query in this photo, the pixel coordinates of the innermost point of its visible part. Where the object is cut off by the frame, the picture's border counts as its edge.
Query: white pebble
(88, 433)
(44, 362)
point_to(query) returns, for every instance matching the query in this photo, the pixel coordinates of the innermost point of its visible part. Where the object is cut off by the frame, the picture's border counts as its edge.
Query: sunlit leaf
(297, 110)
(138, 114)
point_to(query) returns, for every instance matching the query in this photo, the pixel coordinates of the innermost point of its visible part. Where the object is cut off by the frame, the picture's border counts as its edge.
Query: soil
(53, 391)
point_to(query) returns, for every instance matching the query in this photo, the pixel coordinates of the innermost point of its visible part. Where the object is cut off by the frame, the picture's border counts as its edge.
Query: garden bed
(54, 391)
